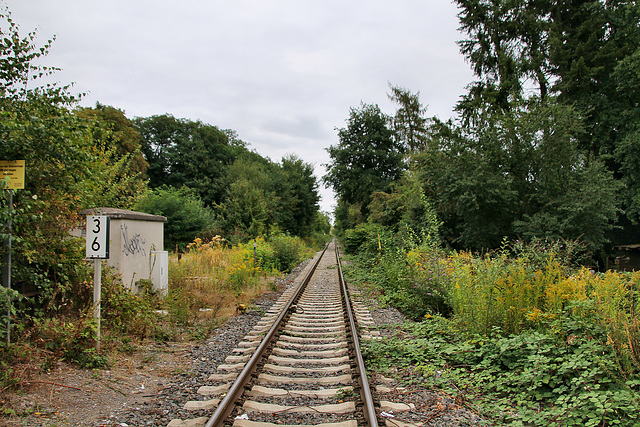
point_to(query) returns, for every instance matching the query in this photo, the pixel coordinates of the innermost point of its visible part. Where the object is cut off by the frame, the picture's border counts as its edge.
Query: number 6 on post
(97, 237)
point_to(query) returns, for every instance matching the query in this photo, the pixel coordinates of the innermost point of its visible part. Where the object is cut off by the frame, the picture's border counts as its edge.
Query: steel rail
(227, 405)
(369, 409)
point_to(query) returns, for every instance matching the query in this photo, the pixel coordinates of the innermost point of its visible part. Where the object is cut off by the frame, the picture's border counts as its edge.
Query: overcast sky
(281, 73)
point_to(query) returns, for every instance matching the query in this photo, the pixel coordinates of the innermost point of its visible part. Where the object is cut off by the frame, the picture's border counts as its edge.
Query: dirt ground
(69, 396)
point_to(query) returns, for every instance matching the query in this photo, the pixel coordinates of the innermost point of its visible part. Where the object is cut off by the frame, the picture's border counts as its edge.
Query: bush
(288, 251)
(9, 355)
(414, 292)
(367, 239)
(281, 252)
(533, 378)
(71, 339)
(515, 294)
(211, 276)
(187, 217)
(125, 312)
(406, 270)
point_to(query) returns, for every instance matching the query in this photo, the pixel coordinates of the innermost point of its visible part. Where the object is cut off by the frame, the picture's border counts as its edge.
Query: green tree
(519, 174)
(589, 40)
(508, 49)
(182, 152)
(19, 65)
(406, 211)
(36, 125)
(581, 51)
(542, 47)
(249, 193)
(595, 49)
(347, 216)
(409, 123)
(366, 159)
(296, 185)
(115, 132)
(120, 171)
(187, 217)
(249, 207)
(322, 224)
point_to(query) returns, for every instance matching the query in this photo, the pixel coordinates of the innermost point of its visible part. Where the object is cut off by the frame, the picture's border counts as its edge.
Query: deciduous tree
(37, 125)
(581, 51)
(187, 217)
(295, 183)
(520, 173)
(188, 153)
(366, 159)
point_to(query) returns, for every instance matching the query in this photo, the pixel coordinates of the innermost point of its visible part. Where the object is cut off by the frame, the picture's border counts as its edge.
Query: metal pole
(254, 259)
(97, 288)
(6, 274)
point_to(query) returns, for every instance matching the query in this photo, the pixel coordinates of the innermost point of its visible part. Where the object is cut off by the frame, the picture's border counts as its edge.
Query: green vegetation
(477, 228)
(545, 141)
(492, 232)
(187, 216)
(206, 286)
(483, 234)
(367, 159)
(557, 378)
(521, 336)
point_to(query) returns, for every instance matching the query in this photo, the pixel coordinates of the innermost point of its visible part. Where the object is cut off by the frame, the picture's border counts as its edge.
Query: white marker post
(97, 249)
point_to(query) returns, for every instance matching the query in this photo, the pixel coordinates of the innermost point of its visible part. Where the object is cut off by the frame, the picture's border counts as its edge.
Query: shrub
(493, 292)
(288, 251)
(70, 339)
(9, 355)
(125, 312)
(187, 217)
(536, 378)
(498, 292)
(414, 291)
(532, 339)
(367, 239)
(211, 276)
(281, 253)
(424, 267)
(515, 295)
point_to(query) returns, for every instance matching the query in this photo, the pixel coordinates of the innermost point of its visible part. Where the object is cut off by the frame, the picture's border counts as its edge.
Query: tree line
(207, 181)
(545, 142)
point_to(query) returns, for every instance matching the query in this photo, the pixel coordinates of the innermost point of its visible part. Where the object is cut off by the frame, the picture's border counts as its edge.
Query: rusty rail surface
(363, 381)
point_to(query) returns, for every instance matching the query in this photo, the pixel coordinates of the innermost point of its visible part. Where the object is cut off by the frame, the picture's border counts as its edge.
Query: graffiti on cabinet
(133, 245)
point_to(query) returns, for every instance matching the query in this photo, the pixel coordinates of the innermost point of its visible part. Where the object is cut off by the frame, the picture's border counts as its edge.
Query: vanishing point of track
(300, 365)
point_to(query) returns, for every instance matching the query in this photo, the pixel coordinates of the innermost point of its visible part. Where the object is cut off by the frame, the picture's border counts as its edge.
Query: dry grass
(214, 281)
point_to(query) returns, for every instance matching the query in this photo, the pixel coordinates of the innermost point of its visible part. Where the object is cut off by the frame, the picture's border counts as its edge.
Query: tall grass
(510, 294)
(206, 285)
(211, 278)
(530, 337)
(214, 278)
(616, 297)
(520, 287)
(488, 292)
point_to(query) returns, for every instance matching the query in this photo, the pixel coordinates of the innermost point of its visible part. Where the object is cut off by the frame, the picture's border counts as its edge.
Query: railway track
(300, 365)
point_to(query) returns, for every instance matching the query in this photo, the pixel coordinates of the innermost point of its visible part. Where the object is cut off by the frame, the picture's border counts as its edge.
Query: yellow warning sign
(12, 171)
